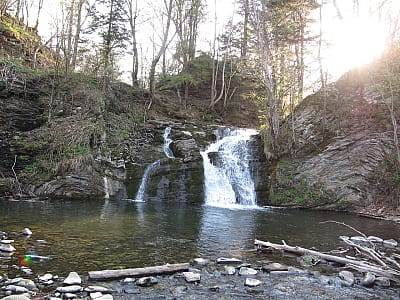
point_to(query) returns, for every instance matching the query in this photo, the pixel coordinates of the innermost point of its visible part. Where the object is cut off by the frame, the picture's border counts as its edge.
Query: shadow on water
(93, 235)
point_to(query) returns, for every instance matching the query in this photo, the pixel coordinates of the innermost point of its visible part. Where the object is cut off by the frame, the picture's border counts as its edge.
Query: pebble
(26, 231)
(274, 267)
(229, 270)
(95, 295)
(6, 241)
(347, 277)
(7, 248)
(72, 279)
(128, 280)
(244, 271)
(70, 296)
(146, 281)
(232, 260)
(251, 282)
(106, 297)
(201, 261)
(69, 289)
(26, 271)
(46, 277)
(96, 288)
(192, 277)
(16, 297)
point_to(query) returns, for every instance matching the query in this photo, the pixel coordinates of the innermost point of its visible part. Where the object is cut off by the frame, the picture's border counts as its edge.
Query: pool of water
(95, 235)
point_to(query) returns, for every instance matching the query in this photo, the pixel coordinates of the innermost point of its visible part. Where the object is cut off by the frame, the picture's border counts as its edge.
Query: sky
(355, 39)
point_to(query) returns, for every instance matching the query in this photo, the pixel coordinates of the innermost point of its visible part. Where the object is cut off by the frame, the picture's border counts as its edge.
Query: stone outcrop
(336, 151)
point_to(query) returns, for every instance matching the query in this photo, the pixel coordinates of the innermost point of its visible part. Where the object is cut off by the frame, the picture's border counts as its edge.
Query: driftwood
(355, 264)
(138, 272)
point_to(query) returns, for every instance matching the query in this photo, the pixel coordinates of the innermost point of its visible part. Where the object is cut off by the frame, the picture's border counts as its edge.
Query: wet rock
(72, 279)
(390, 243)
(375, 239)
(69, 289)
(192, 277)
(226, 261)
(274, 267)
(229, 270)
(245, 271)
(95, 295)
(368, 280)
(347, 277)
(26, 231)
(186, 149)
(201, 261)
(146, 281)
(251, 282)
(7, 248)
(382, 281)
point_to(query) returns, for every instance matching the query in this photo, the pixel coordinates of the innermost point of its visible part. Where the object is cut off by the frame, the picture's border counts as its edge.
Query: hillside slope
(344, 155)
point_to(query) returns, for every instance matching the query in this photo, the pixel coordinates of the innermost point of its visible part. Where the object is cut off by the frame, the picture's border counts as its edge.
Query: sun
(355, 42)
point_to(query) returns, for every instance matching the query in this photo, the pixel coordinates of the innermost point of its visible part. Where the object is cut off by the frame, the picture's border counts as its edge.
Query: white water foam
(227, 179)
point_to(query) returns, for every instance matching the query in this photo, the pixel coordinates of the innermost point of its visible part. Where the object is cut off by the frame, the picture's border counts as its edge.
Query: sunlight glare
(356, 42)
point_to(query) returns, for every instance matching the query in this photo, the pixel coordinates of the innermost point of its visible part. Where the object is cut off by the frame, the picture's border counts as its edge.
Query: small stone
(347, 277)
(7, 248)
(95, 295)
(95, 288)
(15, 297)
(132, 291)
(390, 243)
(368, 280)
(42, 242)
(214, 288)
(382, 281)
(192, 277)
(27, 283)
(6, 241)
(244, 271)
(46, 277)
(229, 270)
(26, 271)
(26, 231)
(70, 296)
(106, 297)
(146, 281)
(201, 261)
(251, 282)
(72, 279)
(128, 280)
(274, 267)
(232, 260)
(375, 239)
(69, 289)
(179, 291)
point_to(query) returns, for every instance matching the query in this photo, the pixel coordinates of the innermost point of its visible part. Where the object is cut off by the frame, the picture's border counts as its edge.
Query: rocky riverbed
(219, 278)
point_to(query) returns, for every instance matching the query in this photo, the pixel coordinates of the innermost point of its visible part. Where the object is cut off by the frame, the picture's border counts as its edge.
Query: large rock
(186, 149)
(73, 278)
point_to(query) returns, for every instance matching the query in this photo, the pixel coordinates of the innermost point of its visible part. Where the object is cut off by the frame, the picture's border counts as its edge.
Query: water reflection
(87, 235)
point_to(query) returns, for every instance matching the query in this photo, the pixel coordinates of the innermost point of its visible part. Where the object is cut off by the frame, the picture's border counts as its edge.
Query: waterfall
(227, 178)
(167, 141)
(152, 167)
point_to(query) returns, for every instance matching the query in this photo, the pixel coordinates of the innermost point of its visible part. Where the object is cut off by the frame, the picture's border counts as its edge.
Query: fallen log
(358, 265)
(138, 272)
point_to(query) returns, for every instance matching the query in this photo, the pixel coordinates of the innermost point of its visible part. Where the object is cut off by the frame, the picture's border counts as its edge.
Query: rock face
(336, 151)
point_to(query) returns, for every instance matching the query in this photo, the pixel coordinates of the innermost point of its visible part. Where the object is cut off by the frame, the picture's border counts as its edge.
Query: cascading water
(167, 142)
(152, 167)
(227, 178)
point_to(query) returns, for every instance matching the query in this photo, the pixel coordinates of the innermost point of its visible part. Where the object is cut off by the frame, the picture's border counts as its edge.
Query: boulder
(186, 149)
